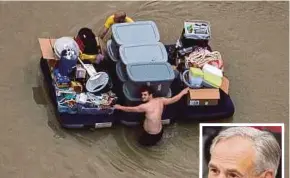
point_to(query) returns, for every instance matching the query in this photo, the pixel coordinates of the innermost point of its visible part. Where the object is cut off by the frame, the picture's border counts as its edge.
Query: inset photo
(241, 150)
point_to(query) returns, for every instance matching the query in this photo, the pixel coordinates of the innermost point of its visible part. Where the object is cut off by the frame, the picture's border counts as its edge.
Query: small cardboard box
(46, 47)
(207, 96)
(203, 97)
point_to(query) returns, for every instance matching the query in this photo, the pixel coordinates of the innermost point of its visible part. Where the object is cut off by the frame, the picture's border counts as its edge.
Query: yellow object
(110, 21)
(212, 80)
(77, 86)
(91, 58)
(196, 72)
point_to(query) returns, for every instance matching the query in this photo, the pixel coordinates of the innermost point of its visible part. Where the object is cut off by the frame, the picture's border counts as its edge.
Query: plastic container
(121, 71)
(212, 69)
(191, 81)
(143, 53)
(211, 80)
(113, 51)
(67, 62)
(157, 75)
(150, 72)
(135, 32)
(65, 43)
(132, 92)
(197, 29)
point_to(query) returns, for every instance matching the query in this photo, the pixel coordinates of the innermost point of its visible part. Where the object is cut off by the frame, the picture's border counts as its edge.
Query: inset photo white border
(203, 174)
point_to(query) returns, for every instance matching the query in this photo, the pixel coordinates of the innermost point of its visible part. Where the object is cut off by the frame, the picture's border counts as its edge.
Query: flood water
(252, 37)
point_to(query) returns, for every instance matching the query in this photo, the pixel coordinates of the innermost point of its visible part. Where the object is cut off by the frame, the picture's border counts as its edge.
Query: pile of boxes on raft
(141, 59)
(69, 84)
(204, 82)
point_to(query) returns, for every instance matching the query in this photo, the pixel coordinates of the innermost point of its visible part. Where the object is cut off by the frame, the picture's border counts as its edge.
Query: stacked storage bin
(140, 59)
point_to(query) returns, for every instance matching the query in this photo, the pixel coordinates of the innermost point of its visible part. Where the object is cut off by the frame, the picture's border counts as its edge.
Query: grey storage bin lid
(143, 53)
(132, 94)
(121, 71)
(112, 51)
(150, 72)
(135, 32)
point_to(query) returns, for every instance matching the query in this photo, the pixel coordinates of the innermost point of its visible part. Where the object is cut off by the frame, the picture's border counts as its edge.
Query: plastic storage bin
(132, 93)
(112, 50)
(143, 53)
(121, 71)
(135, 32)
(157, 75)
(197, 29)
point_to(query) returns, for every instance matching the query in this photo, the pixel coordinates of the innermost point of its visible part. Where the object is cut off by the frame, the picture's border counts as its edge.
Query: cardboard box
(46, 47)
(225, 85)
(207, 96)
(203, 97)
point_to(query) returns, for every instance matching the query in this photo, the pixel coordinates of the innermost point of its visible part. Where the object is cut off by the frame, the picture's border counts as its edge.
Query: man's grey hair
(267, 149)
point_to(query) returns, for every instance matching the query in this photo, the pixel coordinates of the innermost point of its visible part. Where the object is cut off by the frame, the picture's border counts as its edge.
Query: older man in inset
(244, 152)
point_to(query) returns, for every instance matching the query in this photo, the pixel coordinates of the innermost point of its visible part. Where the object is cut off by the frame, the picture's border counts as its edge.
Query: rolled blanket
(201, 56)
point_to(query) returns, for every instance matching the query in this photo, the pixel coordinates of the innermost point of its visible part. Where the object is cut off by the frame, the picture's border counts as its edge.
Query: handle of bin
(184, 80)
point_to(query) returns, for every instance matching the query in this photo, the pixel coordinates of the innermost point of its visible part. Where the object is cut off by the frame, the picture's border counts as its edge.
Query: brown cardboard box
(207, 96)
(225, 85)
(46, 47)
(203, 97)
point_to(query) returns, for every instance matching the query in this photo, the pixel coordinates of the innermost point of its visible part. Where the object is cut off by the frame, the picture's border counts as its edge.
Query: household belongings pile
(204, 68)
(79, 88)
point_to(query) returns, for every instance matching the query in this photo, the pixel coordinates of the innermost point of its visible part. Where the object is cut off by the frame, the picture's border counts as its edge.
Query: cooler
(143, 53)
(157, 75)
(135, 32)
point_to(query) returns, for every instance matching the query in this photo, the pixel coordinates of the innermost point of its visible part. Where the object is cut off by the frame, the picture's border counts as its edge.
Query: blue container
(68, 60)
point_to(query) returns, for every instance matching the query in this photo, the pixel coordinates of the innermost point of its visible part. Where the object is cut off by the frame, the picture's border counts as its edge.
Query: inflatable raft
(136, 57)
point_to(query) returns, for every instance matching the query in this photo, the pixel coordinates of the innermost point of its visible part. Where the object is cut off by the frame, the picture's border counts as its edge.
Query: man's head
(146, 93)
(119, 17)
(244, 152)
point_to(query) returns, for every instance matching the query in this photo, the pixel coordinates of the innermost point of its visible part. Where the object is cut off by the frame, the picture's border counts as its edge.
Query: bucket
(191, 81)
(67, 62)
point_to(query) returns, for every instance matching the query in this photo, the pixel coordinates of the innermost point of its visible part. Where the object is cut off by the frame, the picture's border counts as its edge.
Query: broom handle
(87, 69)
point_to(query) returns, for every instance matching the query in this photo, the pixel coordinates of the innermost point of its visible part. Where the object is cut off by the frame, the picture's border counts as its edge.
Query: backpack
(87, 42)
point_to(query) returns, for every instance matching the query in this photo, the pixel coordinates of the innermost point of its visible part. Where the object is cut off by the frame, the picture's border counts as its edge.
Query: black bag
(87, 42)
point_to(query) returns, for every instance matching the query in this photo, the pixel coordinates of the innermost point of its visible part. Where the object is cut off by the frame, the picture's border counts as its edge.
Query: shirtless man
(153, 109)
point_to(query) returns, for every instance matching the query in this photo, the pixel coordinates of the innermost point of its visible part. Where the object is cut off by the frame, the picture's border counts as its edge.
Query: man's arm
(139, 108)
(167, 101)
(109, 22)
(103, 34)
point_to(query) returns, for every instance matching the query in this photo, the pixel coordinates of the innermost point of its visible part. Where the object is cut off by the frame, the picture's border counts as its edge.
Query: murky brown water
(251, 36)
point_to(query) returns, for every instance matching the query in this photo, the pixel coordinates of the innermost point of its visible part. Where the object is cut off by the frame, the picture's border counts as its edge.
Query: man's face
(145, 96)
(232, 158)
